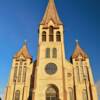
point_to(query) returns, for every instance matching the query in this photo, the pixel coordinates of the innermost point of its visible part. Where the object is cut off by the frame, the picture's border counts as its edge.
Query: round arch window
(51, 68)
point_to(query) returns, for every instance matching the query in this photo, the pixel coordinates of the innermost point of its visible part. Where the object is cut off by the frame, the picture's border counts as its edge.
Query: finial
(25, 41)
(76, 41)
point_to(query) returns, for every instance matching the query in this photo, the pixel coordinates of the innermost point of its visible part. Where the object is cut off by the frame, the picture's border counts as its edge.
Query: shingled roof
(79, 51)
(23, 51)
(51, 14)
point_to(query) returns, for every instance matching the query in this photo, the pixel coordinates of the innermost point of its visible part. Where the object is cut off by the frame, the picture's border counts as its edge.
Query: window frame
(54, 53)
(51, 68)
(58, 36)
(47, 53)
(51, 35)
(43, 36)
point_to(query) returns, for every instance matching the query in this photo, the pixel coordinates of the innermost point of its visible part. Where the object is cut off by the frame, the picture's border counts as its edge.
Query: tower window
(54, 53)
(17, 95)
(77, 74)
(58, 36)
(21, 62)
(86, 72)
(19, 74)
(82, 72)
(84, 94)
(47, 52)
(51, 38)
(24, 74)
(15, 73)
(43, 36)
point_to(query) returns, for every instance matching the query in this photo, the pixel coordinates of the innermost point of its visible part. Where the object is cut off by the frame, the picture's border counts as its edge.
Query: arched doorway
(52, 93)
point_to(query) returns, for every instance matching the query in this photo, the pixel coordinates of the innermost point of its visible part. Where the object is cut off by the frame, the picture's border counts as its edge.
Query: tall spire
(23, 51)
(79, 51)
(51, 14)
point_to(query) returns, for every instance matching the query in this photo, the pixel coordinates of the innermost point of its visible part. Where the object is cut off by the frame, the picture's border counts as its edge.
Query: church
(51, 76)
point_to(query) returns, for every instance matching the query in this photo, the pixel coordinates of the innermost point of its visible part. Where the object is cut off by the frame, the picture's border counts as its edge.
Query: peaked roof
(79, 51)
(51, 14)
(23, 51)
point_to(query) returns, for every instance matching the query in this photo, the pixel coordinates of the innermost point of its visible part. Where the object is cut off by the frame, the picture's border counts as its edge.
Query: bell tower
(50, 60)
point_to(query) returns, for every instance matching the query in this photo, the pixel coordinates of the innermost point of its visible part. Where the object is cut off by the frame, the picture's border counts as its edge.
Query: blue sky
(19, 21)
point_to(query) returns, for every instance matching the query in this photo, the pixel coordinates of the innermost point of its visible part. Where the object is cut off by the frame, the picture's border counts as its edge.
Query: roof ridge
(23, 51)
(79, 51)
(51, 13)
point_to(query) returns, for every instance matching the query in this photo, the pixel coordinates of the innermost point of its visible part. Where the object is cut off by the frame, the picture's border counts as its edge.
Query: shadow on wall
(98, 88)
(32, 81)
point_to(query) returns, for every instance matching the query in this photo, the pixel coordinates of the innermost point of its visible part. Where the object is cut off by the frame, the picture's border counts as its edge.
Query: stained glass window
(51, 68)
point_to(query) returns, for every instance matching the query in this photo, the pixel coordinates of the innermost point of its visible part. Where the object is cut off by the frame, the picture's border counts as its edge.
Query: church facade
(51, 76)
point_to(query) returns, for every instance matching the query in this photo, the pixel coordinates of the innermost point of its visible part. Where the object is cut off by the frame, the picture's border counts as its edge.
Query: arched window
(51, 38)
(58, 36)
(52, 93)
(17, 95)
(82, 72)
(86, 72)
(54, 54)
(71, 94)
(15, 74)
(47, 52)
(19, 74)
(43, 36)
(84, 94)
(24, 74)
(77, 74)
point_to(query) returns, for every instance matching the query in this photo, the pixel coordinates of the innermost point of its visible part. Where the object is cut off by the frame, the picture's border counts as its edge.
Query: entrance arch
(52, 93)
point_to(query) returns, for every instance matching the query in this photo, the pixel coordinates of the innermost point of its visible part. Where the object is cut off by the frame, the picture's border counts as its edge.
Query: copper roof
(79, 51)
(51, 14)
(23, 51)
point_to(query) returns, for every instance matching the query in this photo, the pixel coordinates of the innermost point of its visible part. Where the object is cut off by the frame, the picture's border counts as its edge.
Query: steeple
(51, 14)
(79, 51)
(23, 51)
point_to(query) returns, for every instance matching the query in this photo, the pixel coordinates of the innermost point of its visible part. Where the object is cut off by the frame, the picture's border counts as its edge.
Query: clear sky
(19, 21)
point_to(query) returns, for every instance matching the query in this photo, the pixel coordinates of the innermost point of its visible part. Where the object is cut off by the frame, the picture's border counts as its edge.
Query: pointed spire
(23, 51)
(51, 14)
(79, 51)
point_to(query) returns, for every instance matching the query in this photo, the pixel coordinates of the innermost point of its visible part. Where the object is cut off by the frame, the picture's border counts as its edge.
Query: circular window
(51, 68)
